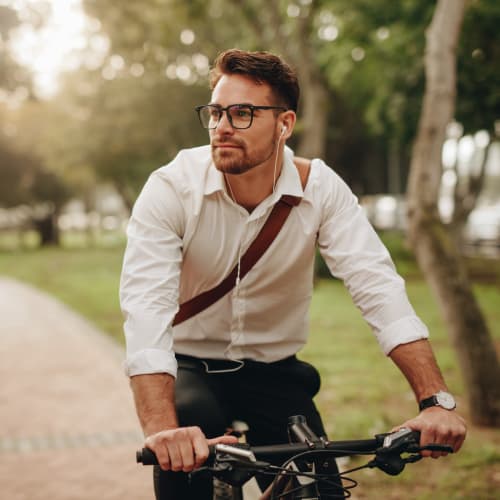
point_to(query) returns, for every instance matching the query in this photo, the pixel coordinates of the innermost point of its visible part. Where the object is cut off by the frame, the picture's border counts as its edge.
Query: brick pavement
(68, 429)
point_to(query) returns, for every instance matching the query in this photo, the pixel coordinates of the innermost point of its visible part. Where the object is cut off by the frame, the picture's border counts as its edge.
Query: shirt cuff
(149, 361)
(403, 331)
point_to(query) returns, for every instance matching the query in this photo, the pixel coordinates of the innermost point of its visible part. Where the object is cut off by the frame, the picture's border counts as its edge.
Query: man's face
(235, 151)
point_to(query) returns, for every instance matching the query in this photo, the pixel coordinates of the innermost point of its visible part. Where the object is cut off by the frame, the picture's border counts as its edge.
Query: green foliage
(26, 177)
(478, 99)
(373, 65)
(12, 74)
(130, 127)
(12, 187)
(119, 121)
(381, 80)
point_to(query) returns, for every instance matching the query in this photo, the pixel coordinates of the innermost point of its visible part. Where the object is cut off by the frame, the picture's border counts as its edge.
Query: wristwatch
(441, 398)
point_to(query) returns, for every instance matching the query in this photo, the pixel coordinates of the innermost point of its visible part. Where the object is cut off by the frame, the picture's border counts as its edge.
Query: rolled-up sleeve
(149, 284)
(354, 253)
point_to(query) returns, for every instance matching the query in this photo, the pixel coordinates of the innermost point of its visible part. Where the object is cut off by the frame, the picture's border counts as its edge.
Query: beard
(239, 160)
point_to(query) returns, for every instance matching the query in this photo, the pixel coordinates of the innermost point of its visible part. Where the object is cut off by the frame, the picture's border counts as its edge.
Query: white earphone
(283, 129)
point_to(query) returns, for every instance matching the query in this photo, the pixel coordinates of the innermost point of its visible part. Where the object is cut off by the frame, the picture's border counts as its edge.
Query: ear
(287, 124)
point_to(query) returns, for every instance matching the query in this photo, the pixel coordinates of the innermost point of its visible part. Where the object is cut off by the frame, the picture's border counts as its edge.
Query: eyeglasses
(239, 115)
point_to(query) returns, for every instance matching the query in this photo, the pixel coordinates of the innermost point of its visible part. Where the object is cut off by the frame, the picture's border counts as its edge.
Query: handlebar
(396, 443)
(309, 458)
(305, 461)
(280, 451)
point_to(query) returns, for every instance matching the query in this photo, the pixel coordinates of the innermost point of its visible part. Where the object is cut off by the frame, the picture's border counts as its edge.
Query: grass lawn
(84, 278)
(362, 392)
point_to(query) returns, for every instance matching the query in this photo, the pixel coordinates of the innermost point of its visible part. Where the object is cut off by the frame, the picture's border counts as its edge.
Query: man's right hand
(183, 448)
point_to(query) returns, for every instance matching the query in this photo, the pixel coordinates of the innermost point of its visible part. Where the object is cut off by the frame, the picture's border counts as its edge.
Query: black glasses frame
(220, 109)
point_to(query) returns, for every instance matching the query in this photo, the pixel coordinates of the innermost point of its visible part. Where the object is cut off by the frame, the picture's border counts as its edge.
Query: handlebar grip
(432, 446)
(146, 457)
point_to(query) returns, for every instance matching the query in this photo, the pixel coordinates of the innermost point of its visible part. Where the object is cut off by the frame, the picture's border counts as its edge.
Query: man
(191, 225)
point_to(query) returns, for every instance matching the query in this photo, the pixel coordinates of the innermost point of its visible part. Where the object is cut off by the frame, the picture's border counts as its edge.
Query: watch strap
(428, 402)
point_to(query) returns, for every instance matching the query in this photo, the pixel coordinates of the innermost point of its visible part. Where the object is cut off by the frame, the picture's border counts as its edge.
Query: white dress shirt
(186, 234)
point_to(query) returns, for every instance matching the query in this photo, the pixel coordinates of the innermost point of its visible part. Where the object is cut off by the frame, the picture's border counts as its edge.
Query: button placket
(251, 229)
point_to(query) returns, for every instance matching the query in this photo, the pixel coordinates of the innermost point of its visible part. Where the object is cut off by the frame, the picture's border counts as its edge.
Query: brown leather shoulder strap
(257, 248)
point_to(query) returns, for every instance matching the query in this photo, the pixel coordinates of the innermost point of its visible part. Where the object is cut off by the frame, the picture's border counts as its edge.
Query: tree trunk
(47, 229)
(466, 195)
(436, 253)
(314, 121)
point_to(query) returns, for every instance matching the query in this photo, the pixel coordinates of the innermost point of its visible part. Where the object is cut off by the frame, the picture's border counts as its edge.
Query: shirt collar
(289, 180)
(215, 180)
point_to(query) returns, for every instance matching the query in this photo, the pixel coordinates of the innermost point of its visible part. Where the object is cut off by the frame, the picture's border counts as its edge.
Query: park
(401, 99)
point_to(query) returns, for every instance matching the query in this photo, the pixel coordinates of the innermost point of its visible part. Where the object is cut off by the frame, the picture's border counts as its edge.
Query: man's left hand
(438, 426)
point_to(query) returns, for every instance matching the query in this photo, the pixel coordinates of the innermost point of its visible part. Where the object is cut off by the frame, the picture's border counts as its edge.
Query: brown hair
(262, 67)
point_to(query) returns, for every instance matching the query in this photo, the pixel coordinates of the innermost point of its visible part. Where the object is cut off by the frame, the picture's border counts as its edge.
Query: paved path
(68, 429)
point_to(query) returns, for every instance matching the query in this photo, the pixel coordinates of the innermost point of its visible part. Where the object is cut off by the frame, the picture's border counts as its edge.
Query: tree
(478, 83)
(318, 39)
(434, 247)
(12, 75)
(358, 61)
(26, 178)
(123, 128)
(478, 75)
(261, 25)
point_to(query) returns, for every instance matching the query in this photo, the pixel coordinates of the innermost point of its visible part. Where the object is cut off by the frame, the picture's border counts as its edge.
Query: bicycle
(305, 462)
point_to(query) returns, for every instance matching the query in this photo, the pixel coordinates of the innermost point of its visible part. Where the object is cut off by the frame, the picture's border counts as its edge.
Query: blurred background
(96, 94)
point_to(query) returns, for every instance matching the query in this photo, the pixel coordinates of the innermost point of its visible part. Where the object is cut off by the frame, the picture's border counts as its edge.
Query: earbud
(283, 129)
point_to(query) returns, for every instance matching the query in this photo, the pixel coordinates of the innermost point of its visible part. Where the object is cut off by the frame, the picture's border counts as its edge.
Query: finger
(222, 439)
(457, 441)
(460, 435)
(439, 437)
(176, 464)
(427, 437)
(199, 447)
(443, 438)
(188, 441)
(457, 444)
(202, 447)
(187, 456)
(453, 436)
(398, 427)
(172, 446)
(160, 451)
(164, 458)
(437, 454)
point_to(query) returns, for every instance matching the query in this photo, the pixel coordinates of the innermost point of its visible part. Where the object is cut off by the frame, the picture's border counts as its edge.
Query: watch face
(445, 400)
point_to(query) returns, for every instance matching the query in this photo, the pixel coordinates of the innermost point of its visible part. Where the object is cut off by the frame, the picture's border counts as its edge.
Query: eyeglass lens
(239, 116)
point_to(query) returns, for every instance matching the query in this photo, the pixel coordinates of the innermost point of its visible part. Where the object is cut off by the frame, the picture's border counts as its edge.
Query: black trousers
(263, 395)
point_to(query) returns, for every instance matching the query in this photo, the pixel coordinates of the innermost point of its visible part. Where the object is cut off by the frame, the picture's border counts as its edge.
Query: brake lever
(407, 440)
(388, 457)
(445, 448)
(232, 465)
